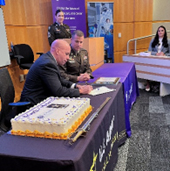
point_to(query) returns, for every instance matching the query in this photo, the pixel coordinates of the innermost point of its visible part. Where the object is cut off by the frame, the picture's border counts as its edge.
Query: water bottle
(12, 47)
(12, 50)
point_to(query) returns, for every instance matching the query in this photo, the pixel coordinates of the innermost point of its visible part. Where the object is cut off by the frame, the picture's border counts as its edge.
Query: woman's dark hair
(164, 40)
(59, 10)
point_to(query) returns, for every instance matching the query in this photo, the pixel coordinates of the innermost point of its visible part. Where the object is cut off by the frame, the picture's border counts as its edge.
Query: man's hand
(84, 89)
(83, 77)
(160, 54)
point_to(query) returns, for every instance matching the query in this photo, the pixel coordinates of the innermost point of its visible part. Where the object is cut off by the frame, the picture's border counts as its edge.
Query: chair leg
(6, 124)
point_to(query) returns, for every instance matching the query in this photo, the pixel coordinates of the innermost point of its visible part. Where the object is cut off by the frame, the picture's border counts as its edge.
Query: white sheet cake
(53, 118)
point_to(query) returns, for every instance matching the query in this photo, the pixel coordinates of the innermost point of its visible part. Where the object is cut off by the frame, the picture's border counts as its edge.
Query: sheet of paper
(145, 53)
(101, 90)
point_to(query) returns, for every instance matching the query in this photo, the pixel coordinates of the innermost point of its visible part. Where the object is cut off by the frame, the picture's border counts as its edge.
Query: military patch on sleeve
(49, 34)
(57, 29)
(71, 61)
(68, 30)
(85, 57)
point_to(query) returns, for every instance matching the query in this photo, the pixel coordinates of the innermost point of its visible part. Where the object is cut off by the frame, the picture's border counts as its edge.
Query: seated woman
(159, 46)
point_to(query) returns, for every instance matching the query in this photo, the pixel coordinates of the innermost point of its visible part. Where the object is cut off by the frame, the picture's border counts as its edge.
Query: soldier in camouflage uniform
(77, 68)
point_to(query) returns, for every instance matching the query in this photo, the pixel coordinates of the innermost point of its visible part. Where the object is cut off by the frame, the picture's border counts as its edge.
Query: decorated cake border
(46, 134)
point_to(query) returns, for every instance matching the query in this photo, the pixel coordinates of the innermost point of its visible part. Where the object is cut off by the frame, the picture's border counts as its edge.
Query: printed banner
(100, 24)
(74, 13)
(2, 2)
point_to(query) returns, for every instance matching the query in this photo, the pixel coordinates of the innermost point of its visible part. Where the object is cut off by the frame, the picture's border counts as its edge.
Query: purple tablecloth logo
(128, 93)
(105, 150)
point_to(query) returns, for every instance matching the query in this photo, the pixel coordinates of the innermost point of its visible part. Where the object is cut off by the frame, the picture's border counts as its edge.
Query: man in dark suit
(44, 79)
(77, 68)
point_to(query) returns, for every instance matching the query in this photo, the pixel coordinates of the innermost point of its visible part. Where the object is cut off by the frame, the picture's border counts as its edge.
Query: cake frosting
(52, 118)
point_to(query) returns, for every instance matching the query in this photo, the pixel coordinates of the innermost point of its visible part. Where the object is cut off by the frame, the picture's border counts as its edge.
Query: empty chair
(7, 94)
(24, 55)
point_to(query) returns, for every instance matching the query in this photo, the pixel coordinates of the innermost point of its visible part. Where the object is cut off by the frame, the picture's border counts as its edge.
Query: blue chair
(7, 94)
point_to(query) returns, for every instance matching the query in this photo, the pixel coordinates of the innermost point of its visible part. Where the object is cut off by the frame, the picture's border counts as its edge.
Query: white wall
(161, 10)
(4, 51)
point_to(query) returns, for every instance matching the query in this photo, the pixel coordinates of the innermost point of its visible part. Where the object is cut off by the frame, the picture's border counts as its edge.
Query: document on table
(101, 90)
(106, 80)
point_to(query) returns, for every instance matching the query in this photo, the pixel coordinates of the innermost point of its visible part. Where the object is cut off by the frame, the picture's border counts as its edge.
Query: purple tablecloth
(97, 151)
(127, 74)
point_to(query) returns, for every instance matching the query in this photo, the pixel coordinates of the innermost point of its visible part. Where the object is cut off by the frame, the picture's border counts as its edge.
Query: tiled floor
(148, 149)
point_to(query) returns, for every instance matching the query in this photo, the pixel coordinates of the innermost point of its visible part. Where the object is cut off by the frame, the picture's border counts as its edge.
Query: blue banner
(74, 13)
(2, 2)
(100, 24)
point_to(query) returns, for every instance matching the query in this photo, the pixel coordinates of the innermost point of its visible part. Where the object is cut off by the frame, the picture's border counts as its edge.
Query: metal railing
(138, 38)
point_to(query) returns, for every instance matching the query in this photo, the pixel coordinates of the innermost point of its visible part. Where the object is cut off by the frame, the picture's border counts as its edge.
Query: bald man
(44, 79)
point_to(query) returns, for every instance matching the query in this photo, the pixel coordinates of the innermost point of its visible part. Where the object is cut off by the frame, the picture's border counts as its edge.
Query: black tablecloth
(98, 150)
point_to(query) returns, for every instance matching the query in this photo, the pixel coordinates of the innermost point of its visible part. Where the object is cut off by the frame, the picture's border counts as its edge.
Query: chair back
(25, 51)
(7, 94)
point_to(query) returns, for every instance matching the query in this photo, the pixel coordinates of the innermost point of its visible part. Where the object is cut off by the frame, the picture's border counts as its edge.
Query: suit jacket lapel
(81, 60)
(55, 62)
(162, 49)
(51, 57)
(76, 56)
(156, 48)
